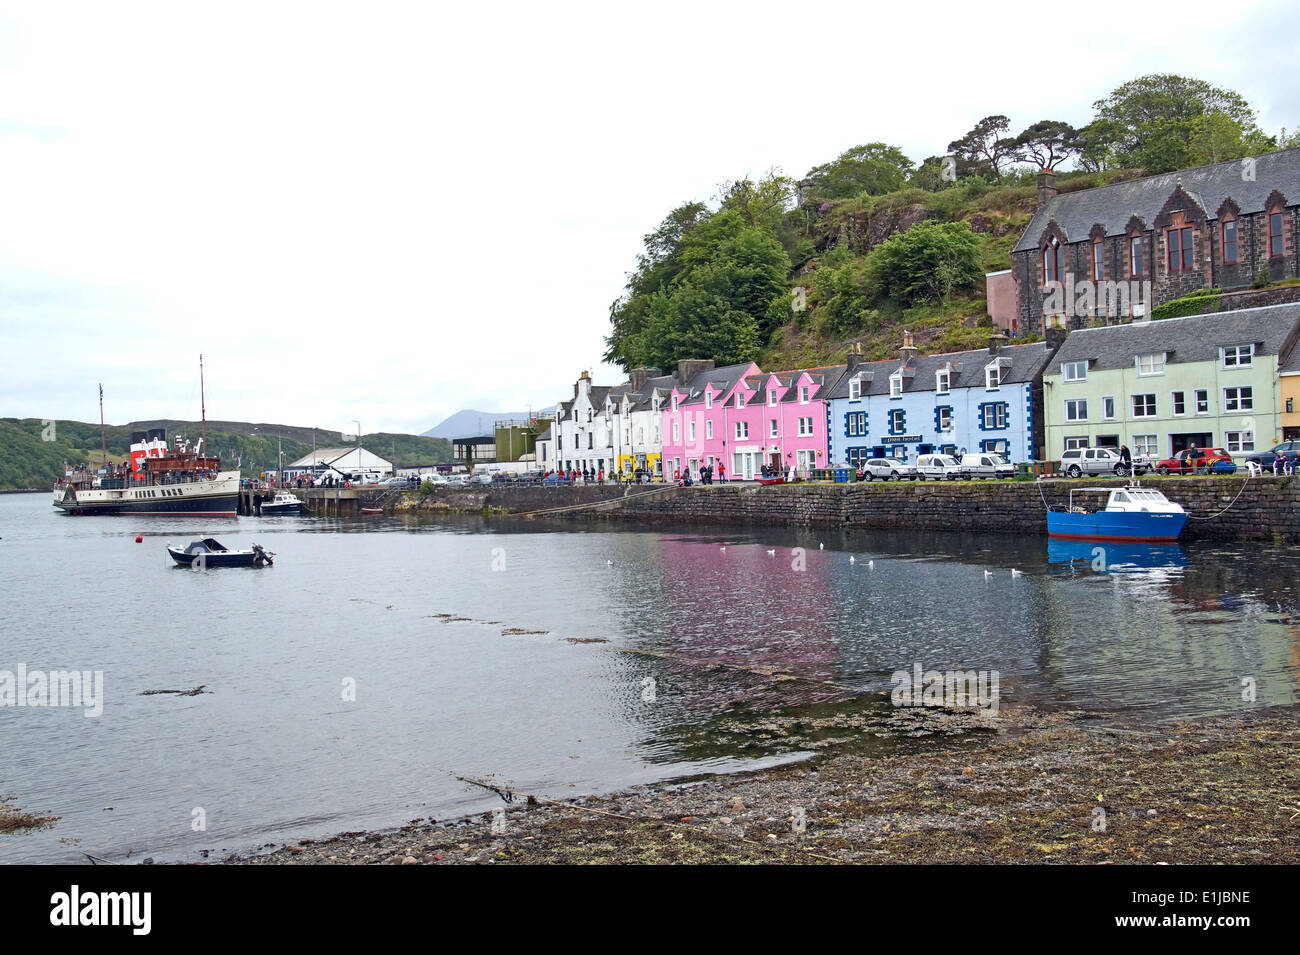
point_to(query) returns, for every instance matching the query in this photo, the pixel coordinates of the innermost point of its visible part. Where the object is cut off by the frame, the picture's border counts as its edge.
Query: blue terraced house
(984, 400)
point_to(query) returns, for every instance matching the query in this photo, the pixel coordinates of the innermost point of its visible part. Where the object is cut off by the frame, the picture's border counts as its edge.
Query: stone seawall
(1263, 508)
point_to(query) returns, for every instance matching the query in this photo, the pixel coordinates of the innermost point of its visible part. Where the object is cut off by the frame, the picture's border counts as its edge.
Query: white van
(940, 467)
(987, 465)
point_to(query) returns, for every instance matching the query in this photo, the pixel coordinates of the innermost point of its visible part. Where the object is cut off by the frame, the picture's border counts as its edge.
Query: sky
(388, 212)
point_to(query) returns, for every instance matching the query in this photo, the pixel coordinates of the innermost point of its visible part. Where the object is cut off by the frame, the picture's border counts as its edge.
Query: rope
(612, 500)
(1230, 503)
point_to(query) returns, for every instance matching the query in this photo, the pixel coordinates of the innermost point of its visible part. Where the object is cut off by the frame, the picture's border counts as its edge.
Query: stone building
(1111, 254)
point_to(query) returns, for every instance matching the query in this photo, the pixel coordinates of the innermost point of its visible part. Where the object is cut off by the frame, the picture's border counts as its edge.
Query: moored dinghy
(210, 552)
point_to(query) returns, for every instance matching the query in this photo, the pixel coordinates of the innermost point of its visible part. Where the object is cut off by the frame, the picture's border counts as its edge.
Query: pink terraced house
(742, 418)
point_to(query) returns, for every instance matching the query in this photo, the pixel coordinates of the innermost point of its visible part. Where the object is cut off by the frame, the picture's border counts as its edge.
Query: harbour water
(351, 684)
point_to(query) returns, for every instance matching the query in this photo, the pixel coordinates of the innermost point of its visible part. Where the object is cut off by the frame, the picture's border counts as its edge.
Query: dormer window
(803, 395)
(1053, 261)
(740, 400)
(1074, 370)
(771, 396)
(708, 399)
(855, 389)
(1238, 356)
(942, 381)
(993, 376)
(674, 402)
(896, 385)
(1153, 364)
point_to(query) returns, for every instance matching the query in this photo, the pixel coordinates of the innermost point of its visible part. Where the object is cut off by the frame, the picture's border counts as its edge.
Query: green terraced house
(1161, 386)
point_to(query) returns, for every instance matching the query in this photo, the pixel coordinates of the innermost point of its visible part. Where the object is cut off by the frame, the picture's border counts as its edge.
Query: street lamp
(358, 424)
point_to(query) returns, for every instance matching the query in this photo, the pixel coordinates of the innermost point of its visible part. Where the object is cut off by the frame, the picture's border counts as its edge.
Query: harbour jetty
(1219, 508)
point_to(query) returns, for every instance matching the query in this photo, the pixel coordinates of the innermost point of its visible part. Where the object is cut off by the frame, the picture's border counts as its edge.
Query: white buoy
(772, 553)
(871, 565)
(1016, 573)
(988, 574)
(852, 559)
(821, 546)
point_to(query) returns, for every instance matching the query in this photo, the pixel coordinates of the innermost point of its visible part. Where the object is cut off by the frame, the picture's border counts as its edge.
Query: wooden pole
(103, 442)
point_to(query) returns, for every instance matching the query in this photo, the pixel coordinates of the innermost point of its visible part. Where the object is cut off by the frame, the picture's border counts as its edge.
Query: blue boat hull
(1115, 526)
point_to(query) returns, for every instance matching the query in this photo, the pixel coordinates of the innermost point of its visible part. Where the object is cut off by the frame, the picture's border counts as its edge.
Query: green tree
(873, 169)
(928, 262)
(1046, 144)
(986, 149)
(1217, 137)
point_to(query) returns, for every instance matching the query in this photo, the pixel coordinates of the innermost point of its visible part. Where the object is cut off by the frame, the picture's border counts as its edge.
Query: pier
(319, 501)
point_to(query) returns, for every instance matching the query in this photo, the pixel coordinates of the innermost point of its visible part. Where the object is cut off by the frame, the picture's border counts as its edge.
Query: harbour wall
(1261, 508)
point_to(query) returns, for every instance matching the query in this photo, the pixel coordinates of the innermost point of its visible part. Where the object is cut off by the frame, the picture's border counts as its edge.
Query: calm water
(273, 752)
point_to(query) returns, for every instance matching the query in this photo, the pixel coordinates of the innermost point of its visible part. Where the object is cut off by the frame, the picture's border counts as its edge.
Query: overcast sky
(389, 212)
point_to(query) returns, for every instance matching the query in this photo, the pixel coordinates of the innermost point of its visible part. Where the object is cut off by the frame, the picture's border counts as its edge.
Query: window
(1202, 398)
(590, 438)
(1076, 409)
(677, 434)
(994, 415)
(855, 389)
(993, 376)
(1053, 261)
(1073, 444)
(1238, 356)
(1151, 364)
(740, 400)
(1145, 444)
(1137, 256)
(771, 428)
(1239, 441)
(1179, 402)
(1074, 370)
(805, 427)
(708, 430)
(742, 430)
(1108, 408)
(943, 418)
(895, 386)
(941, 381)
(1275, 244)
(855, 423)
(897, 421)
(708, 399)
(1180, 249)
(771, 397)
(1144, 406)
(803, 395)
(1230, 242)
(1098, 258)
(674, 402)
(1238, 399)
(690, 431)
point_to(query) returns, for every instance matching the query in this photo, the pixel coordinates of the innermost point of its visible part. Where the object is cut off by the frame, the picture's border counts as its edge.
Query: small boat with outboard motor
(282, 503)
(210, 552)
(1132, 513)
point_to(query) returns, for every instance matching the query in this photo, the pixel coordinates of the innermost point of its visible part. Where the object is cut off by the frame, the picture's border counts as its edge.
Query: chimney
(855, 356)
(688, 368)
(1046, 185)
(1055, 337)
(639, 376)
(583, 384)
(996, 342)
(909, 350)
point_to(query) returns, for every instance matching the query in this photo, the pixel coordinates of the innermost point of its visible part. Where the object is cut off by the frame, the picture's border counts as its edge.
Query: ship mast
(203, 407)
(103, 442)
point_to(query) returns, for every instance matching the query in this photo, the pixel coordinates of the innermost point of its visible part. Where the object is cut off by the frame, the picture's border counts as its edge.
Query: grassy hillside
(32, 454)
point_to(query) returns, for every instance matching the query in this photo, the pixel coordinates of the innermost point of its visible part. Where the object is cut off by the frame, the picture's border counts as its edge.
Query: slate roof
(1077, 212)
(722, 380)
(1194, 338)
(1026, 362)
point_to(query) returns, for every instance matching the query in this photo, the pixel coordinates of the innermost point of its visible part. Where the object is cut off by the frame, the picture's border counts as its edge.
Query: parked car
(1192, 460)
(1288, 451)
(556, 479)
(886, 469)
(1078, 462)
(397, 482)
(986, 465)
(940, 467)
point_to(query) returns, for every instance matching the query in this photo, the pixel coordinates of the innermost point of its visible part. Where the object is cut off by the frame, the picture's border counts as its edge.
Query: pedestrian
(722, 473)
(1125, 458)
(600, 478)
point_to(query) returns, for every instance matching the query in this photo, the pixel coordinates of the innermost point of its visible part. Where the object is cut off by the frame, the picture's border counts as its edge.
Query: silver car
(1077, 462)
(886, 469)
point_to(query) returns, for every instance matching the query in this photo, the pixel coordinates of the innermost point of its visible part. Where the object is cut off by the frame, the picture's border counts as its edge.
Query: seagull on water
(852, 559)
(772, 553)
(988, 574)
(871, 565)
(821, 546)
(1016, 573)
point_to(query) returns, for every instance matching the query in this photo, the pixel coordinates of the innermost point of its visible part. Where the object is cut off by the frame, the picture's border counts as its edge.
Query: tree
(761, 204)
(874, 169)
(1046, 144)
(986, 148)
(1217, 137)
(928, 262)
(1149, 120)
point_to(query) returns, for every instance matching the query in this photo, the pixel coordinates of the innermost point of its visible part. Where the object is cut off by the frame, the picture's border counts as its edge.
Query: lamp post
(358, 424)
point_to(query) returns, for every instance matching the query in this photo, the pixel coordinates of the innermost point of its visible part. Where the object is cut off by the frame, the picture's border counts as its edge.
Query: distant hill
(32, 456)
(469, 423)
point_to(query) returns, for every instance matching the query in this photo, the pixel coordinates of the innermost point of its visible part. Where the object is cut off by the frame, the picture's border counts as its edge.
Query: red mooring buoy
(139, 539)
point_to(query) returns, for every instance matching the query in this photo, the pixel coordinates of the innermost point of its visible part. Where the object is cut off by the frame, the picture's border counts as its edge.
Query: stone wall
(1268, 508)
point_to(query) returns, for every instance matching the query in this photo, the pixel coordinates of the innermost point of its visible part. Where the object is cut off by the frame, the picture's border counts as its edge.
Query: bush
(928, 262)
(1193, 303)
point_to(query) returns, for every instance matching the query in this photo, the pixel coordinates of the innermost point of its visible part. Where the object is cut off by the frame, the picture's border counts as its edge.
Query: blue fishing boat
(1132, 513)
(210, 552)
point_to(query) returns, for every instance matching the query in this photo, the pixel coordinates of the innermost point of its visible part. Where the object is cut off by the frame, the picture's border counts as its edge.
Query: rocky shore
(1028, 787)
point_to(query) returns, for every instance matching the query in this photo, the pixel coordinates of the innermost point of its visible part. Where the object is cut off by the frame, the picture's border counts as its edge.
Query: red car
(1192, 460)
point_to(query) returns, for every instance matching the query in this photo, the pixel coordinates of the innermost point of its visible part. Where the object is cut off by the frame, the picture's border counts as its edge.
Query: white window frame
(771, 397)
(945, 418)
(942, 381)
(677, 433)
(1240, 402)
(804, 394)
(1175, 399)
(1155, 402)
(708, 399)
(1157, 367)
(1238, 352)
(773, 427)
(708, 430)
(1076, 443)
(992, 376)
(1104, 400)
(1073, 407)
(740, 399)
(742, 430)
(690, 430)
(1201, 396)
(1146, 444)
(674, 402)
(855, 389)
(896, 429)
(895, 386)
(805, 427)
(1239, 442)
(1068, 369)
